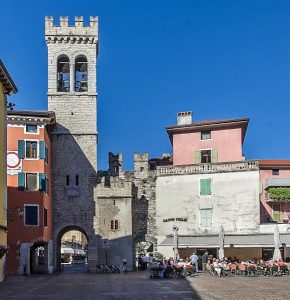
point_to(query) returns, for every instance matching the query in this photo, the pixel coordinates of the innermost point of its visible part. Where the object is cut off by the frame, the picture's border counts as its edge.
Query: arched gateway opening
(72, 250)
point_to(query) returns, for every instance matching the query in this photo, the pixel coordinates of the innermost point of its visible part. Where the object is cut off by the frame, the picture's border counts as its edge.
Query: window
(275, 172)
(31, 215)
(205, 187)
(205, 217)
(31, 128)
(77, 179)
(206, 156)
(81, 74)
(205, 135)
(31, 149)
(115, 225)
(67, 179)
(141, 169)
(45, 217)
(63, 74)
(31, 182)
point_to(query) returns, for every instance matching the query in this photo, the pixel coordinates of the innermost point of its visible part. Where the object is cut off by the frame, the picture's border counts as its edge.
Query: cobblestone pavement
(137, 286)
(240, 287)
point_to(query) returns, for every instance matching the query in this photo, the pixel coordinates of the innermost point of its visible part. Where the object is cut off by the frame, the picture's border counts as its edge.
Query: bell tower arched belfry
(72, 95)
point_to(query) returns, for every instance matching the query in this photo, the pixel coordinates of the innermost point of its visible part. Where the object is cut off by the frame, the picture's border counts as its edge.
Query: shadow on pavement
(82, 286)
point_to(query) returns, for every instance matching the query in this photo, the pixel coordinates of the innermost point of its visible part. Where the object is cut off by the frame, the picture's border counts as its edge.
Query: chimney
(184, 118)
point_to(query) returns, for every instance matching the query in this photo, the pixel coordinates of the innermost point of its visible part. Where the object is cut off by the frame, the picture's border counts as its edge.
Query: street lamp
(175, 242)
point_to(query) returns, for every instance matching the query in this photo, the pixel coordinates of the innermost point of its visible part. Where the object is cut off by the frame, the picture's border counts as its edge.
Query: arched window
(63, 76)
(81, 74)
(116, 224)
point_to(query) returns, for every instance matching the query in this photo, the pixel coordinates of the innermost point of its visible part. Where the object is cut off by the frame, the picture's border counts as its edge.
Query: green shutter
(205, 187)
(214, 156)
(42, 181)
(21, 181)
(197, 157)
(21, 149)
(42, 150)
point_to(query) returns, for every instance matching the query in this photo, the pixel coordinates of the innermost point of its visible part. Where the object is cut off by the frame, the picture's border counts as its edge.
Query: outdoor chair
(274, 271)
(154, 273)
(284, 270)
(242, 270)
(226, 273)
(251, 271)
(234, 268)
(260, 270)
(188, 271)
(178, 273)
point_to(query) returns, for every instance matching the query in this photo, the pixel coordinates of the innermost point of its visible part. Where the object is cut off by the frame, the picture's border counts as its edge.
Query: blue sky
(219, 59)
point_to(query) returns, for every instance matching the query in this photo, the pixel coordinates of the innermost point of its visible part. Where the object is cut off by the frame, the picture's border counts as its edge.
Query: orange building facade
(29, 192)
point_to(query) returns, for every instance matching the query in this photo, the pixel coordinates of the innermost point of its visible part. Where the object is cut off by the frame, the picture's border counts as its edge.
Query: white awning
(233, 240)
(66, 250)
(80, 252)
(277, 182)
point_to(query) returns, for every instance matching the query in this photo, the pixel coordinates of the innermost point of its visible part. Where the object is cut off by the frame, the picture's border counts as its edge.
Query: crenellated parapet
(117, 187)
(77, 33)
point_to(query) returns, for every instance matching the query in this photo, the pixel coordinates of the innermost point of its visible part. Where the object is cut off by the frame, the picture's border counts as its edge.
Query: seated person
(181, 263)
(280, 263)
(161, 269)
(217, 267)
(208, 266)
(168, 272)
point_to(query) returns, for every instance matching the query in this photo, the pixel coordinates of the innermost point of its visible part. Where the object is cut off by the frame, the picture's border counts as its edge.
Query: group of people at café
(220, 267)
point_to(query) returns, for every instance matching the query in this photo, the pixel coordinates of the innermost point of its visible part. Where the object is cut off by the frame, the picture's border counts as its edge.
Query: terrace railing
(238, 166)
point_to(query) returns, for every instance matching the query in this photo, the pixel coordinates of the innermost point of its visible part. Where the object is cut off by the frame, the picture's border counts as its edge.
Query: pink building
(275, 191)
(207, 141)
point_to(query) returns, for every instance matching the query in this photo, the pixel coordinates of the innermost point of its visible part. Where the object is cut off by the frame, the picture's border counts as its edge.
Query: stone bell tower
(72, 95)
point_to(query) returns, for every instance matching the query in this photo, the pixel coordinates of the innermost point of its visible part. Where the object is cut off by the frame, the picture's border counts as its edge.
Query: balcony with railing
(238, 166)
(271, 198)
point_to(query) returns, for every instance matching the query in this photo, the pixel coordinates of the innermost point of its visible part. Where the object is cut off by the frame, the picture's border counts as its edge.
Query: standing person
(204, 260)
(194, 259)
(124, 265)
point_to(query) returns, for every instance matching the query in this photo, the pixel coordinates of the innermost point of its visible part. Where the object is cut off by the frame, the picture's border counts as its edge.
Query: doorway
(72, 250)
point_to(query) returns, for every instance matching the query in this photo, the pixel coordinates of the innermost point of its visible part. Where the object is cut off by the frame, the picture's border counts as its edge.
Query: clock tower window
(63, 74)
(81, 74)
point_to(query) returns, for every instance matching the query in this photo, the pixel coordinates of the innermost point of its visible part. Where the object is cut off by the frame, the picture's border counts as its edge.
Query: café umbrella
(175, 242)
(277, 252)
(221, 242)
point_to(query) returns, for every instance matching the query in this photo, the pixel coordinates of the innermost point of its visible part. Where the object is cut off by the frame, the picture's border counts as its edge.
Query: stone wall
(113, 220)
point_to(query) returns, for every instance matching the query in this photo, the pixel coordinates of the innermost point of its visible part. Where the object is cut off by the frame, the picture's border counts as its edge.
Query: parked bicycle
(104, 269)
